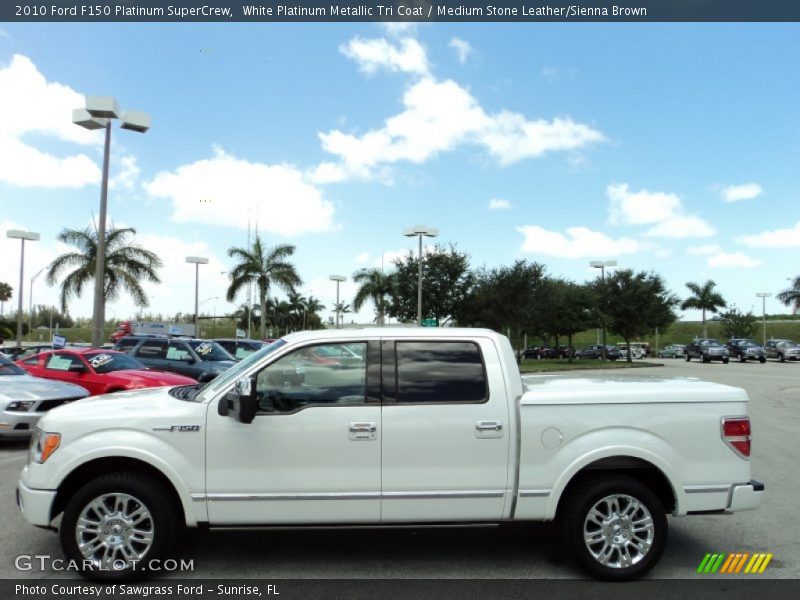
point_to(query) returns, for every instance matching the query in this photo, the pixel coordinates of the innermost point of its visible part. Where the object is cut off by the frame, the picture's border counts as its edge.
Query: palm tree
(341, 309)
(791, 295)
(375, 286)
(313, 306)
(264, 267)
(5, 295)
(127, 265)
(704, 298)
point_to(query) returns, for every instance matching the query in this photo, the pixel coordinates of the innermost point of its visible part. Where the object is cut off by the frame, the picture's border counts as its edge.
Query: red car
(99, 371)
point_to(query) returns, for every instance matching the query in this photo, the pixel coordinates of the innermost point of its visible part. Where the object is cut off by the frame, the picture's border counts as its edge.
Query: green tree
(736, 324)
(5, 295)
(374, 286)
(704, 298)
(312, 308)
(341, 309)
(264, 267)
(635, 303)
(127, 265)
(565, 308)
(446, 281)
(791, 295)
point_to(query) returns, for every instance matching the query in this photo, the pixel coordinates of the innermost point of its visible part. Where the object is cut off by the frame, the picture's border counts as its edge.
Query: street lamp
(197, 261)
(764, 296)
(602, 264)
(420, 231)
(30, 301)
(98, 114)
(338, 279)
(17, 234)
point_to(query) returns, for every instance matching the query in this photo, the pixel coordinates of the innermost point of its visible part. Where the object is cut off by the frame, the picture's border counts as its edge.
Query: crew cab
(429, 427)
(744, 350)
(706, 349)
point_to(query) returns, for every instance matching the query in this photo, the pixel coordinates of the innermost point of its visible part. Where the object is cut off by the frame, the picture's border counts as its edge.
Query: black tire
(742, 359)
(762, 359)
(162, 524)
(781, 357)
(592, 492)
(688, 358)
(725, 360)
(706, 359)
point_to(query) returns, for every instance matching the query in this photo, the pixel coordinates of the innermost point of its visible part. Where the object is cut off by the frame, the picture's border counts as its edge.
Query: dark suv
(596, 351)
(706, 349)
(199, 359)
(745, 350)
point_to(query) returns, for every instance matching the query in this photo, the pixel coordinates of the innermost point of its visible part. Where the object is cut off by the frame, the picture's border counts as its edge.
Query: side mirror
(241, 402)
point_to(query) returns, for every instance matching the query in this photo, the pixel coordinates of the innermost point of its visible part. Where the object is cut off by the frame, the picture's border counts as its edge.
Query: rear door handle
(488, 429)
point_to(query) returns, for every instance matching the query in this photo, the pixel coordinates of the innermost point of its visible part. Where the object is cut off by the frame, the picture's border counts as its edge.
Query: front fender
(179, 459)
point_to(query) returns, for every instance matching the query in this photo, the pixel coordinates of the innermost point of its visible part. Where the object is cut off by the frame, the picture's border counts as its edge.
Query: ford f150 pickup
(395, 426)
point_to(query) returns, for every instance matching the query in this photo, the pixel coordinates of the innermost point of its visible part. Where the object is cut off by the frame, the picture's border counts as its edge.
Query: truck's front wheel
(615, 527)
(116, 524)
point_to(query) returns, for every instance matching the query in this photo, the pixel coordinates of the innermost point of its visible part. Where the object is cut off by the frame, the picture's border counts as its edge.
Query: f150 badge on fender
(181, 428)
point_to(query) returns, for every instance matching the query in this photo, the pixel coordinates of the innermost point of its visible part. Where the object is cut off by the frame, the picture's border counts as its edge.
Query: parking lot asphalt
(528, 551)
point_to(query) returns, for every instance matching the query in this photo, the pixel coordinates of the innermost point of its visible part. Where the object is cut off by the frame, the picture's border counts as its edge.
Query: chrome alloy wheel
(618, 531)
(114, 530)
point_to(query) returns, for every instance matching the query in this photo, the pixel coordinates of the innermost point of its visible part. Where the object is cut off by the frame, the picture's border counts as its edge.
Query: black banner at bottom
(399, 589)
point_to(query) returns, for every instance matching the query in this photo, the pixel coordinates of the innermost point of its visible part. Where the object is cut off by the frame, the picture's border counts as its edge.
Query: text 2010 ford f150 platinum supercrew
(390, 426)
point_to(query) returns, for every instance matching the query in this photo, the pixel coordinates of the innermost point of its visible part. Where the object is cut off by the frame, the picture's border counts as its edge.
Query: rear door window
(436, 372)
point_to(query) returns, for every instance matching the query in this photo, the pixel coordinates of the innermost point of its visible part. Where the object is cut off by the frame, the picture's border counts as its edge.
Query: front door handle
(363, 431)
(488, 429)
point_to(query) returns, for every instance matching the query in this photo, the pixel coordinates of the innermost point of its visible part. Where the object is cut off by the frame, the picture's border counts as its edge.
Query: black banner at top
(527, 11)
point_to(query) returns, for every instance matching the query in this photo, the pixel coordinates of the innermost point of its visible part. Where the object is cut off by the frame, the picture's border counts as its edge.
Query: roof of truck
(390, 332)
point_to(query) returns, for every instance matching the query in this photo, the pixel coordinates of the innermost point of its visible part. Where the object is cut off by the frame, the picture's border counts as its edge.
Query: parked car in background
(202, 360)
(782, 350)
(24, 398)
(706, 349)
(533, 352)
(565, 351)
(16, 353)
(240, 348)
(99, 371)
(672, 351)
(637, 350)
(596, 351)
(744, 350)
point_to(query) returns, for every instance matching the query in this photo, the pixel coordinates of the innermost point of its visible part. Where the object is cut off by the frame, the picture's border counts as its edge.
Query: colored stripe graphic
(734, 563)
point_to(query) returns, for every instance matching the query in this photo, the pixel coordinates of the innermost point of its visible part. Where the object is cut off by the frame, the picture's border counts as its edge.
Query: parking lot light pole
(764, 296)
(17, 234)
(338, 279)
(420, 231)
(30, 300)
(98, 114)
(602, 264)
(196, 261)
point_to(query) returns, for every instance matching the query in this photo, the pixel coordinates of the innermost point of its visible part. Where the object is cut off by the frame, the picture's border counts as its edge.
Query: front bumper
(18, 424)
(35, 505)
(745, 496)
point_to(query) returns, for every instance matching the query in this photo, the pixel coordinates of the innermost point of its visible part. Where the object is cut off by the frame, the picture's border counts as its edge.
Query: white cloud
(362, 258)
(662, 210)
(499, 204)
(225, 190)
(579, 242)
(438, 116)
(744, 191)
(127, 173)
(375, 54)
(399, 28)
(29, 104)
(462, 49)
(680, 227)
(550, 73)
(732, 260)
(777, 238)
(703, 250)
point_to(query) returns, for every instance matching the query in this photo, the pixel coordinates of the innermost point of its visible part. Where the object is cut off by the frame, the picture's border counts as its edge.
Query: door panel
(312, 453)
(445, 443)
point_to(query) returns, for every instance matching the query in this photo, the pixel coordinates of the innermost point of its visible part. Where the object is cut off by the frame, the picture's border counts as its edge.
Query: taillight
(736, 433)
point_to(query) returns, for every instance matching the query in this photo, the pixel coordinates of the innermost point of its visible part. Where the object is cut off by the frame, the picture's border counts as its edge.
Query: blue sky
(667, 147)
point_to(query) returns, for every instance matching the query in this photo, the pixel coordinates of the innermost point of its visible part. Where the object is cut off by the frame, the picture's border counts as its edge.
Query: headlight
(43, 444)
(20, 405)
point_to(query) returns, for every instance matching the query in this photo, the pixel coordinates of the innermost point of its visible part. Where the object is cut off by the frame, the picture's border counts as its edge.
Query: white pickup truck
(387, 427)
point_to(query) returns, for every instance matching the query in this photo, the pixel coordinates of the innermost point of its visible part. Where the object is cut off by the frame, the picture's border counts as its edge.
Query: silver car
(783, 350)
(23, 398)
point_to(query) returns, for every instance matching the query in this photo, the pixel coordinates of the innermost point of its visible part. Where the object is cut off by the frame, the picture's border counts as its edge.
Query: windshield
(9, 368)
(710, 343)
(210, 351)
(232, 374)
(106, 362)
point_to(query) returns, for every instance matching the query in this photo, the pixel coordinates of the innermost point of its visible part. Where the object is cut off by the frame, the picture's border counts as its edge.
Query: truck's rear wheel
(615, 527)
(116, 524)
